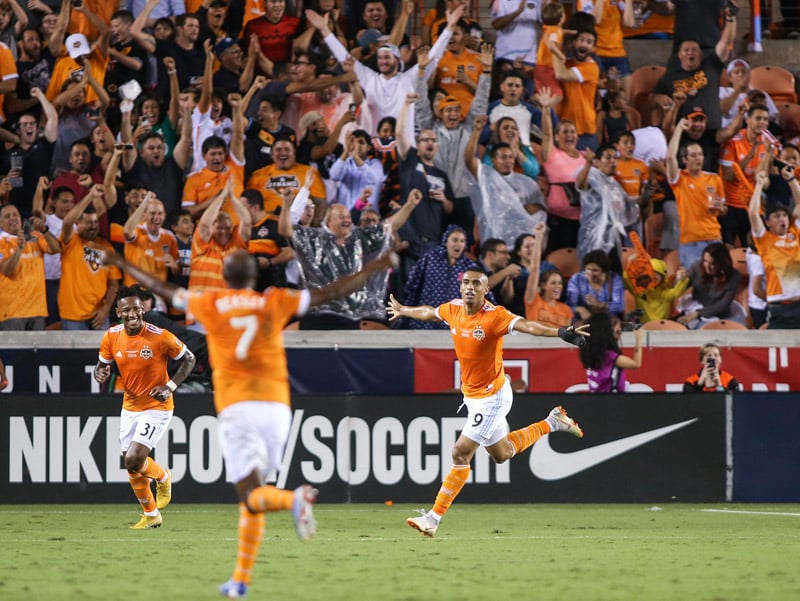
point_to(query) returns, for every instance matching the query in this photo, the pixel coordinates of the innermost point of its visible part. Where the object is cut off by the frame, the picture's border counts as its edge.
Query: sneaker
(233, 589)
(148, 521)
(164, 491)
(304, 523)
(565, 422)
(424, 524)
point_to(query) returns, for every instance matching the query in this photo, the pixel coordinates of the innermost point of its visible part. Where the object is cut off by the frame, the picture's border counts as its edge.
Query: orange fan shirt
(478, 342)
(244, 330)
(65, 67)
(781, 258)
(8, 71)
(578, 103)
(270, 180)
(447, 75)
(142, 363)
(84, 281)
(736, 149)
(22, 293)
(553, 33)
(632, 175)
(554, 315)
(205, 184)
(148, 252)
(691, 196)
(205, 271)
(609, 31)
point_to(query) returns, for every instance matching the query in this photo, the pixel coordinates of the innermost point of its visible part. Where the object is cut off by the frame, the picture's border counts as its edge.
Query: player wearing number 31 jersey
(244, 330)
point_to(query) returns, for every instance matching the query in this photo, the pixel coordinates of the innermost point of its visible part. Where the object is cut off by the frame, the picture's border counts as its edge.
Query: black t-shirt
(258, 146)
(711, 150)
(426, 224)
(35, 164)
(322, 164)
(166, 181)
(265, 241)
(35, 74)
(118, 74)
(227, 80)
(188, 63)
(697, 20)
(700, 85)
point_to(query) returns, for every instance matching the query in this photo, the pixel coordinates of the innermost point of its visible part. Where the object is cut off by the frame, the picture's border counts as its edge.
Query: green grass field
(366, 552)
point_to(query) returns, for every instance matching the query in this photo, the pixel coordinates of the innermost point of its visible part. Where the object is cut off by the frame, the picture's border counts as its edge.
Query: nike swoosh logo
(548, 464)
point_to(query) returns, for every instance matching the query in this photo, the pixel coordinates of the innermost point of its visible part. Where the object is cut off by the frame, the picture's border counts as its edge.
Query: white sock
(151, 514)
(554, 424)
(434, 516)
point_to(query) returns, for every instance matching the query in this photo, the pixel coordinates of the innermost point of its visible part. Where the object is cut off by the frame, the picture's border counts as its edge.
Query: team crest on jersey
(478, 334)
(92, 258)
(146, 353)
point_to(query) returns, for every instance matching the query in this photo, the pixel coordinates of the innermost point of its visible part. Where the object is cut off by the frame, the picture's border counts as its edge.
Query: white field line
(785, 513)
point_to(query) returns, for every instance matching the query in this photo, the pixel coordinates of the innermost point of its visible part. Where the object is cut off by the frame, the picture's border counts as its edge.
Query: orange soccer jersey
(206, 265)
(84, 280)
(609, 30)
(204, 184)
(447, 75)
(691, 197)
(478, 342)
(578, 104)
(781, 258)
(22, 291)
(738, 193)
(149, 253)
(632, 175)
(270, 180)
(244, 329)
(142, 363)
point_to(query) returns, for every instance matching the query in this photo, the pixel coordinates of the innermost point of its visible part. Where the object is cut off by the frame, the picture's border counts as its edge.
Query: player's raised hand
(573, 335)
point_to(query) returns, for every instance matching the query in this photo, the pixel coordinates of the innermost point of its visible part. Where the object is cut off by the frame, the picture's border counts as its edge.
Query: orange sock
(251, 527)
(525, 437)
(152, 470)
(144, 494)
(451, 486)
(270, 498)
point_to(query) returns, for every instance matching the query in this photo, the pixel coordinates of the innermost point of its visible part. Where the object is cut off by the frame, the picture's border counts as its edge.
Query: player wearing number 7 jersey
(478, 328)
(140, 351)
(251, 387)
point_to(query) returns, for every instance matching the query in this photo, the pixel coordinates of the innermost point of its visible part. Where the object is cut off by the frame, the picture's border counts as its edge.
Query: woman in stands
(604, 362)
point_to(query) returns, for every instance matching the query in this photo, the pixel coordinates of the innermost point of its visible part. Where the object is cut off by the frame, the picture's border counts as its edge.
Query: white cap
(77, 45)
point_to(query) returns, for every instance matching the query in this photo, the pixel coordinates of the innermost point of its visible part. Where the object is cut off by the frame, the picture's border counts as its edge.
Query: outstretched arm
(571, 334)
(349, 283)
(421, 313)
(672, 150)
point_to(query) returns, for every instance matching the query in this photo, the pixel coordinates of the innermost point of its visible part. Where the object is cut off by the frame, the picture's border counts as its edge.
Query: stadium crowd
(317, 136)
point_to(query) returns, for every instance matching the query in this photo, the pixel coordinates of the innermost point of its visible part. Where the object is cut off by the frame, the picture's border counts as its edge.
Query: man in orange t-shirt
(699, 197)
(748, 149)
(23, 300)
(459, 69)
(141, 350)
(251, 388)
(149, 245)
(579, 77)
(478, 328)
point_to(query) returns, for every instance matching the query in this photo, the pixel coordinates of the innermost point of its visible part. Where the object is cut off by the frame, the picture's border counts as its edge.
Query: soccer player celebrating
(251, 387)
(478, 328)
(140, 351)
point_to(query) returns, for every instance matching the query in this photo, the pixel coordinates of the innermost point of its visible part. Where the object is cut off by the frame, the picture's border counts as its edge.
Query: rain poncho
(434, 281)
(498, 200)
(602, 214)
(322, 261)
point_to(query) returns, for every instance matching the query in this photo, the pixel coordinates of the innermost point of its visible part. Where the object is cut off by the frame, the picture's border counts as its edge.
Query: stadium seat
(295, 325)
(566, 261)
(776, 81)
(643, 80)
(790, 119)
(366, 324)
(723, 324)
(653, 226)
(663, 324)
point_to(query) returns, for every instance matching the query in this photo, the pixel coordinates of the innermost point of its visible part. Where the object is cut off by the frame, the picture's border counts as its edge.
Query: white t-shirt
(521, 37)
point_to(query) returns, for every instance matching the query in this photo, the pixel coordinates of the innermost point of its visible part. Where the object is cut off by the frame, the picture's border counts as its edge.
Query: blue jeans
(691, 252)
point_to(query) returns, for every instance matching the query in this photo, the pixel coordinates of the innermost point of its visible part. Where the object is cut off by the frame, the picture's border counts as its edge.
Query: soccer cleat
(233, 589)
(304, 523)
(164, 491)
(148, 521)
(565, 422)
(424, 524)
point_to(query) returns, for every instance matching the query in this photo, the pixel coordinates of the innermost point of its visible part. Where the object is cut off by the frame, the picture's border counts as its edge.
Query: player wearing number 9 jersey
(478, 328)
(244, 331)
